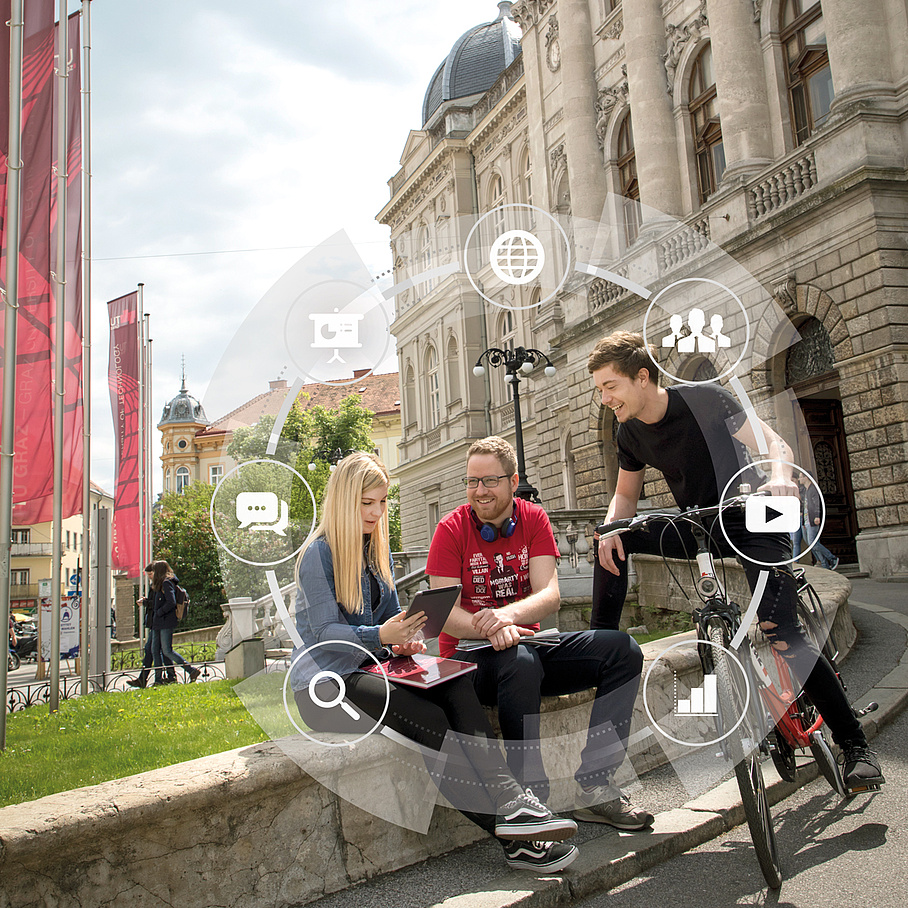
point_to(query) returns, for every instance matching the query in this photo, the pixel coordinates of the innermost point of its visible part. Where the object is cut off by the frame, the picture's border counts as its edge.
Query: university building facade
(772, 131)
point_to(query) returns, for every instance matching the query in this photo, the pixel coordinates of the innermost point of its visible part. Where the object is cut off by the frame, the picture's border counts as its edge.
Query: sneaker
(193, 673)
(135, 682)
(607, 804)
(526, 818)
(834, 564)
(545, 857)
(860, 767)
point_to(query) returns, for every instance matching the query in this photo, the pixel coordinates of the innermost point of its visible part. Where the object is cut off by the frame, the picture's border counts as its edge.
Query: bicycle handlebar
(626, 524)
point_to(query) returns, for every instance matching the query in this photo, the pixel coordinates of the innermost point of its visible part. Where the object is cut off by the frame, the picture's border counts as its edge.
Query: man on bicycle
(700, 438)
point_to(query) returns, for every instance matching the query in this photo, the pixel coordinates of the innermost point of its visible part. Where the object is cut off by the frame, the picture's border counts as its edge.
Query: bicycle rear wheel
(743, 746)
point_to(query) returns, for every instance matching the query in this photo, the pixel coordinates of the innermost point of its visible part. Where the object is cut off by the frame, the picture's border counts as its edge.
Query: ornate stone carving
(558, 157)
(552, 46)
(527, 13)
(758, 10)
(677, 38)
(812, 355)
(615, 31)
(608, 98)
(785, 293)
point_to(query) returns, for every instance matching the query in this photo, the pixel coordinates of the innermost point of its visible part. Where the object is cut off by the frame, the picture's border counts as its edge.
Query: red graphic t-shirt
(492, 573)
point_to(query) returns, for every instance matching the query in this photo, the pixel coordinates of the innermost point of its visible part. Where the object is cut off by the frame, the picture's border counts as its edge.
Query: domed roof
(183, 408)
(476, 60)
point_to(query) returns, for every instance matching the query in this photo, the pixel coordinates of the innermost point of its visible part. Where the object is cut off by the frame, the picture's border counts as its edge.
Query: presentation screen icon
(337, 331)
(704, 701)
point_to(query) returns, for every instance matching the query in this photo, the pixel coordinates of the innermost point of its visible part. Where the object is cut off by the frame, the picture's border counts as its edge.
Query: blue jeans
(162, 649)
(820, 552)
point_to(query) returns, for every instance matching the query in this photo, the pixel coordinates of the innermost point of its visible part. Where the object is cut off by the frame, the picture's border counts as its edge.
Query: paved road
(835, 854)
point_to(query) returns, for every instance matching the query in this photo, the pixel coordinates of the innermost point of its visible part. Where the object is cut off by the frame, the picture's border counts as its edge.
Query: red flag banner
(72, 301)
(33, 464)
(123, 380)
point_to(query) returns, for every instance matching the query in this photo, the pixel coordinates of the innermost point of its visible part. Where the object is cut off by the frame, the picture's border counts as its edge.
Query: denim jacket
(321, 620)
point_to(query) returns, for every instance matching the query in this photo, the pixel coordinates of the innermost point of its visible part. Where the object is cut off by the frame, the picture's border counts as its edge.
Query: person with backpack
(164, 620)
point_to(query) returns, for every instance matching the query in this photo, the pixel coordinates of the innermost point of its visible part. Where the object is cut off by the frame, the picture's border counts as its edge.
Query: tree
(183, 537)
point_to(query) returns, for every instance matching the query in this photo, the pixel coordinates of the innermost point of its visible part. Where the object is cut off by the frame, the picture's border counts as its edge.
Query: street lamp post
(516, 361)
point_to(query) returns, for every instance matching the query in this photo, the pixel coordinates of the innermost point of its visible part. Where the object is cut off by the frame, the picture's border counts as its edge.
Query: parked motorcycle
(13, 662)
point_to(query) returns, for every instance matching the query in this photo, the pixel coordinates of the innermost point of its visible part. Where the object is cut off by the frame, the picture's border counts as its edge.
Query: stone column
(656, 147)
(740, 86)
(586, 172)
(858, 43)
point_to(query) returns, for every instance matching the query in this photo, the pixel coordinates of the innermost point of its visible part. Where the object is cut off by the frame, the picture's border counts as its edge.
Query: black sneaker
(135, 682)
(527, 819)
(860, 768)
(543, 857)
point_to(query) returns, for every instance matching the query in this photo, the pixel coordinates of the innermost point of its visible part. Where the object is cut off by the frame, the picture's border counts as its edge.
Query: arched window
(167, 480)
(182, 479)
(526, 177)
(810, 89)
(627, 172)
(507, 333)
(425, 259)
(704, 114)
(409, 397)
(496, 200)
(433, 400)
(453, 370)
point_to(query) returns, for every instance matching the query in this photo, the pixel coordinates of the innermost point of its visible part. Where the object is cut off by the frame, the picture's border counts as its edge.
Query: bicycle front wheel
(743, 746)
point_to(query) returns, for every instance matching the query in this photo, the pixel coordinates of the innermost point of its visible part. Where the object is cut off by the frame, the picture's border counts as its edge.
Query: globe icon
(517, 257)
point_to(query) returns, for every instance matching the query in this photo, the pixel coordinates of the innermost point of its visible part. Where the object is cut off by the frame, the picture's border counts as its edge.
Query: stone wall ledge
(249, 827)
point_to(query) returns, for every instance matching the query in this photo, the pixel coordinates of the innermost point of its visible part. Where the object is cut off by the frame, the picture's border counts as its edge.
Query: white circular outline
(746, 344)
(378, 722)
(336, 381)
(696, 642)
(567, 246)
(534, 272)
(794, 558)
(214, 529)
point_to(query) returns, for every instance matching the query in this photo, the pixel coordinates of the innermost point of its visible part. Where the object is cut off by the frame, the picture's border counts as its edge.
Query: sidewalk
(476, 877)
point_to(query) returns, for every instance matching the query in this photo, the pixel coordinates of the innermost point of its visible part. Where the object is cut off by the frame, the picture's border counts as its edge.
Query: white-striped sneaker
(543, 857)
(527, 819)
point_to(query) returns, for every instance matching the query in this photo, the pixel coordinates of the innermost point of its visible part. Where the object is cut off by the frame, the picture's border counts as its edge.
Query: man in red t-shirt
(502, 550)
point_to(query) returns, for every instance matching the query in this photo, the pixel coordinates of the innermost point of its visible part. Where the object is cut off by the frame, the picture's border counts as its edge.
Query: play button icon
(773, 514)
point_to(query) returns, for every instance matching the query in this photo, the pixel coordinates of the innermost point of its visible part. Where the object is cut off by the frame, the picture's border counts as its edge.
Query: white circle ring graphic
(222, 484)
(661, 730)
(744, 469)
(744, 346)
(377, 722)
(502, 208)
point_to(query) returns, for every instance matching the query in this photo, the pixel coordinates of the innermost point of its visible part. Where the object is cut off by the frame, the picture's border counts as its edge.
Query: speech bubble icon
(256, 507)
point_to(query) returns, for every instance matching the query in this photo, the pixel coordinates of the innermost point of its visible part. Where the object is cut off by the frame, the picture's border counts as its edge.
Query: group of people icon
(696, 339)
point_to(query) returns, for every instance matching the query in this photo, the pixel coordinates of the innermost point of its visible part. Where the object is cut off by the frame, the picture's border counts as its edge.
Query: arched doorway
(810, 372)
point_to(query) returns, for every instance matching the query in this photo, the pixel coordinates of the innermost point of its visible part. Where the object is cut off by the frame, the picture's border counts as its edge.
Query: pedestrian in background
(170, 675)
(164, 620)
(811, 514)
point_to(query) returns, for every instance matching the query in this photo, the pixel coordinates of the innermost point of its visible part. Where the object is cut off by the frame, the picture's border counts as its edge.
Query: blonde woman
(346, 595)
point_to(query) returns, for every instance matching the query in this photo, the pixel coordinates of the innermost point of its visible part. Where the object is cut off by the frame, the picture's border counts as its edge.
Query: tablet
(437, 605)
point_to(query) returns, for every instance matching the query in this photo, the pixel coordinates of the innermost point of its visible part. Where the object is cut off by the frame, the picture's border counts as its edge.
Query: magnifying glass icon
(337, 700)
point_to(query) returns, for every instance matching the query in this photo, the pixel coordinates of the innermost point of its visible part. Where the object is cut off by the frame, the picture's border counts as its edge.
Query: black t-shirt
(692, 445)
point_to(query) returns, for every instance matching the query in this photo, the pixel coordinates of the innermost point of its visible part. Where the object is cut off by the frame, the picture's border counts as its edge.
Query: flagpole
(140, 455)
(149, 473)
(11, 299)
(87, 592)
(59, 341)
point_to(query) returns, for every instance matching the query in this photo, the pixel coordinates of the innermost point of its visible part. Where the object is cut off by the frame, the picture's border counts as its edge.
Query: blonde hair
(341, 527)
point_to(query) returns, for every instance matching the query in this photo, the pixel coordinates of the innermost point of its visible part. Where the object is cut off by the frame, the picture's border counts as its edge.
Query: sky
(230, 138)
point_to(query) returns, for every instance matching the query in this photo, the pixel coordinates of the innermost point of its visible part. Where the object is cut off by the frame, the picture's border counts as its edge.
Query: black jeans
(516, 679)
(475, 777)
(778, 607)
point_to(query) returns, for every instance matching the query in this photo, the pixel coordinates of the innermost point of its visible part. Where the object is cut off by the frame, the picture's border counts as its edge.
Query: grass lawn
(110, 735)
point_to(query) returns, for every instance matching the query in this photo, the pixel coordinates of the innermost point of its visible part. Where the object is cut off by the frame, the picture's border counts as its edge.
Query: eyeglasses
(472, 482)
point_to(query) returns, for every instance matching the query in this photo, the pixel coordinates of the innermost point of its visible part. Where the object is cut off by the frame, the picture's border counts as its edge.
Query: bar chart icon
(703, 701)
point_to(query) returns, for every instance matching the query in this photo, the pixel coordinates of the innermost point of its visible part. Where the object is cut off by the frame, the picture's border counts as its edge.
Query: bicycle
(13, 661)
(787, 722)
